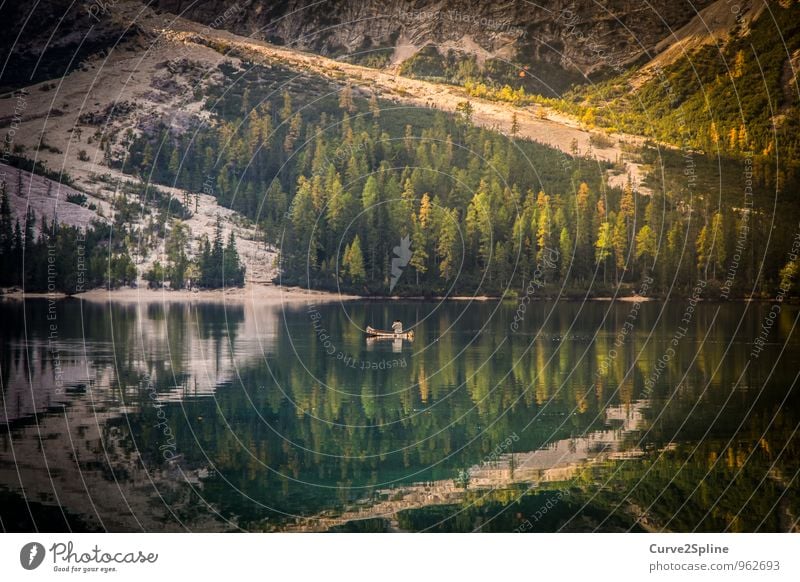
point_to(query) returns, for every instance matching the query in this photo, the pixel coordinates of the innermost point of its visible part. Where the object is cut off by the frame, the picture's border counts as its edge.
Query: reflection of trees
(349, 429)
(342, 431)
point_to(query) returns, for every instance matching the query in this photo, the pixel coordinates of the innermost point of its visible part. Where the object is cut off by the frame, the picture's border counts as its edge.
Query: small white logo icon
(400, 260)
(31, 555)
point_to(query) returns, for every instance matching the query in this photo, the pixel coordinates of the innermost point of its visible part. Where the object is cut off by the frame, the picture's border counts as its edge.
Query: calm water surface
(582, 417)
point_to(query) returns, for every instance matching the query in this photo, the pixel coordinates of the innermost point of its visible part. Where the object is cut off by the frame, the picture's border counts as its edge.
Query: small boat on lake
(379, 333)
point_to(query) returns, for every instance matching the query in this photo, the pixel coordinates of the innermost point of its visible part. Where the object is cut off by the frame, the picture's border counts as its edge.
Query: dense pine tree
(324, 178)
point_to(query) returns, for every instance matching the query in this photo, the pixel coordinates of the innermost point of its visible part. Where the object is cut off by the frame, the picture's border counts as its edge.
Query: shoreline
(276, 294)
(261, 293)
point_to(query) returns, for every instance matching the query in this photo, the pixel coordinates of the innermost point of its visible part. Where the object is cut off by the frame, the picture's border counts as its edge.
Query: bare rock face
(580, 36)
(48, 39)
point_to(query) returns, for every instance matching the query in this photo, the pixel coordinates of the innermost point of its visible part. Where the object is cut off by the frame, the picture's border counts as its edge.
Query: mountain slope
(555, 42)
(299, 149)
(732, 90)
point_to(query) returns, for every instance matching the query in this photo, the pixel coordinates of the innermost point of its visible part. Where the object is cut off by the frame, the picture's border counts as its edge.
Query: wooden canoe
(379, 333)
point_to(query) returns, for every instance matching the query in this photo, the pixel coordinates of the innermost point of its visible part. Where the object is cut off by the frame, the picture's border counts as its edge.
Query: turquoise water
(598, 416)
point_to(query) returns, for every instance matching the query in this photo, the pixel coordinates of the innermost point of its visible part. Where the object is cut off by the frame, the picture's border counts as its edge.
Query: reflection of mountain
(66, 401)
(555, 462)
(188, 349)
(198, 414)
(204, 346)
(40, 382)
(75, 460)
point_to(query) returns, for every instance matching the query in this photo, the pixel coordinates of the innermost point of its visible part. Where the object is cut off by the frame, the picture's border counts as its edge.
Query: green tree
(419, 248)
(177, 260)
(603, 246)
(619, 241)
(346, 99)
(155, 275)
(646, 246)
(303, 219)
(232, 269)
(353, 262)
(174, 164)
(446, 247)
(565, 251)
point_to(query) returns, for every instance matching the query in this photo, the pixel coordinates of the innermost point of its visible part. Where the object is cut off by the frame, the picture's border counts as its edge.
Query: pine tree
(232, 269)
(286, 110)
(353, 262)
(7, 266)
(176, 256)
(174, 165)
(544, 228)
(346, 99)
(479, 227)
(340, 215)
(295, 128)
(6, 228)
(645, 246)
(371, 228)
(419, 246)
(374, 108)
(703, 245)
(465, 110)
(603, 245)
(15, 274)
(205, 264)
(446, 247)
(718, 251)
(565, 252)
(583, 231)
(619, 242)
(303, 220)
(711, 247)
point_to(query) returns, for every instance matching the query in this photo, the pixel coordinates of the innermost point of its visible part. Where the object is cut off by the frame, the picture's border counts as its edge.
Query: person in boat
(397, 326)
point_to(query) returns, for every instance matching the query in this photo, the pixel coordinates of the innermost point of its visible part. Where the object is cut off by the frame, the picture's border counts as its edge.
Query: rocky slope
(50, 38)
(563, 36)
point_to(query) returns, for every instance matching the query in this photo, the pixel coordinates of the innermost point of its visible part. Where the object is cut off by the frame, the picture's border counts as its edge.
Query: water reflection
(222, 417)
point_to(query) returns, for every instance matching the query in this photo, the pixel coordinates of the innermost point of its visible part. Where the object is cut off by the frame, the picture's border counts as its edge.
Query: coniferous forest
(335, 178)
